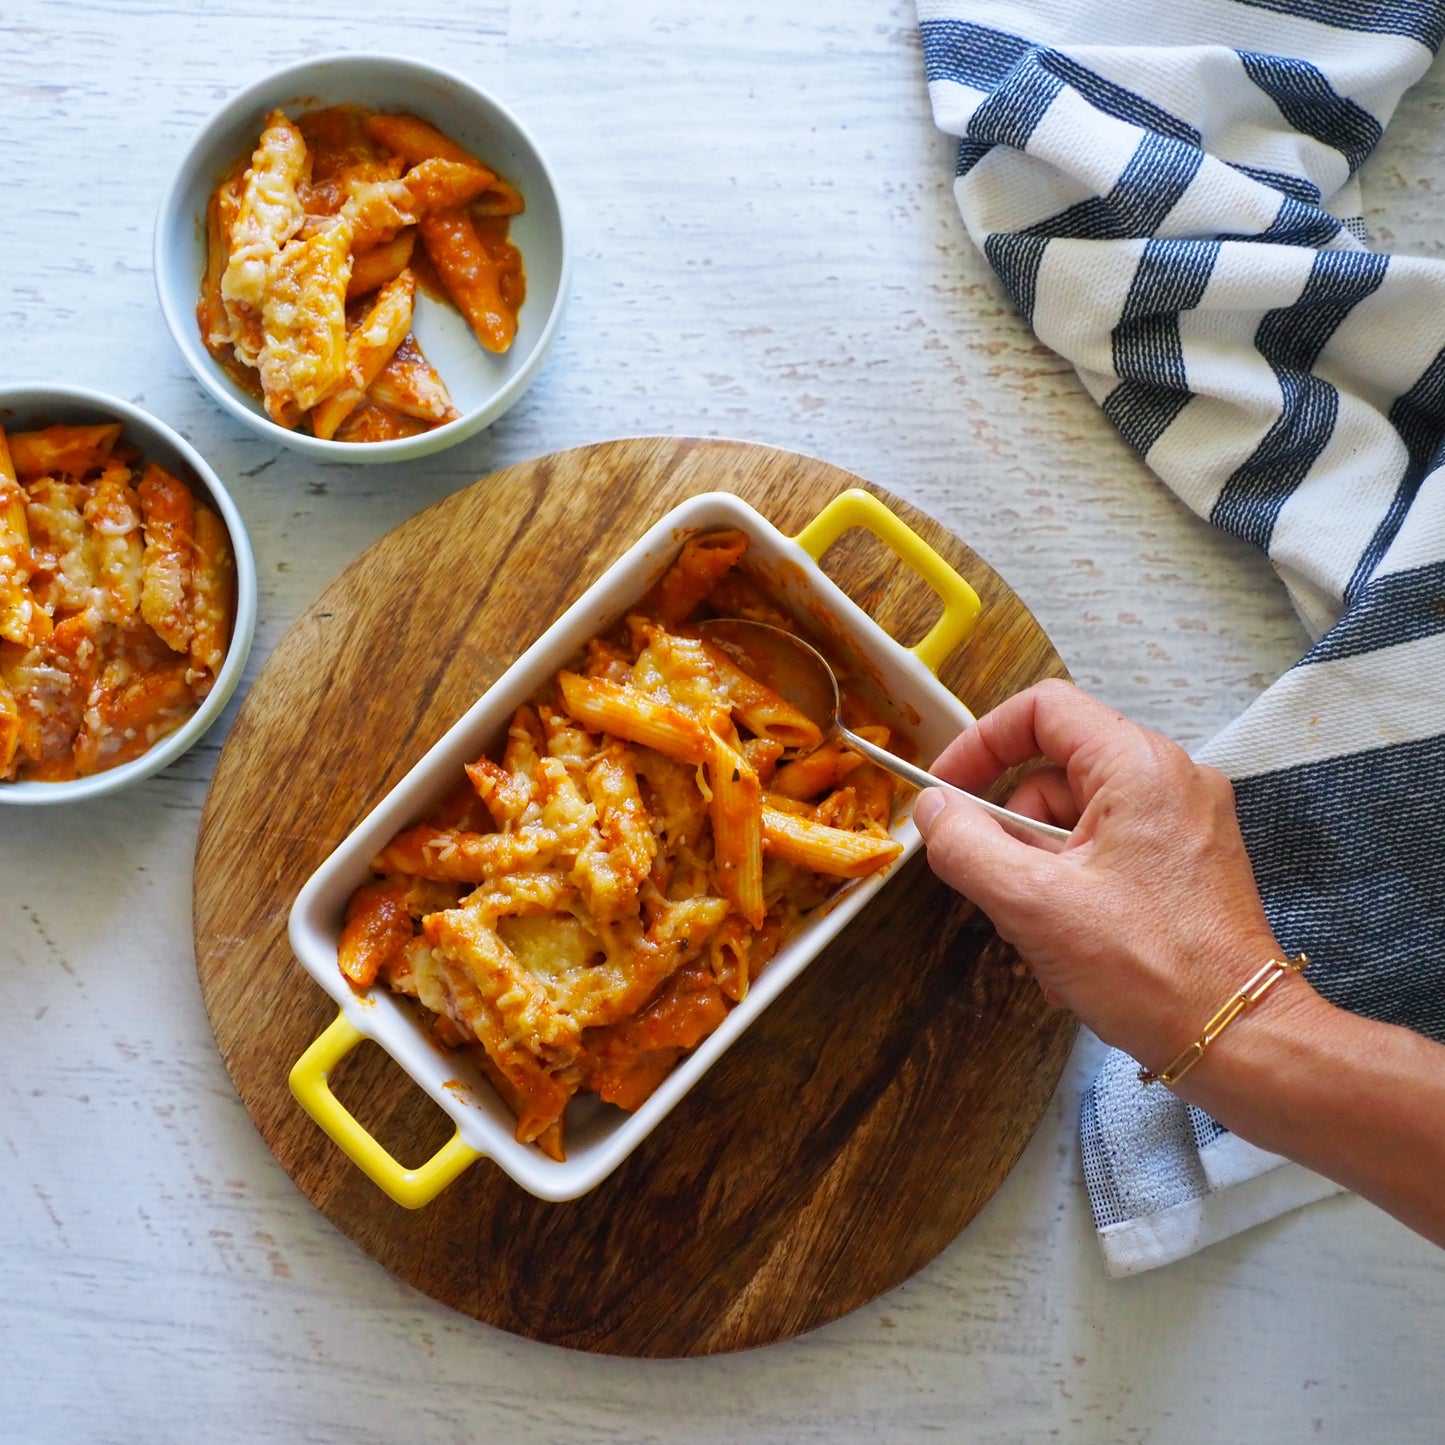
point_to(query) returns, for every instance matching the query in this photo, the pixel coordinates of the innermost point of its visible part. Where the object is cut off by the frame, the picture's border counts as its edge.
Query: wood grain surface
(841, 1144)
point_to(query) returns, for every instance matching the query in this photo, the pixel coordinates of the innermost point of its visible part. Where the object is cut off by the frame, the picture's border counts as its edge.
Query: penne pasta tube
(763, 754)
(702, 563)
(520, 1101)
(62, 575)
(22, 618)
(368, 348)
(444, 185)
(211, 314)
(126, 715)
(453, 856)
(378, 927)
(609, 707)
(378, 207)
(624, 1062)
(113, 514)
(9, 731)
(818, 772)
(303, 320)
(525, 745)
(269, 215)
(763, 711)
(470, 276)
(522, 1004)
(52, 683)
(728, 953)
(212, 598)
(169, 514)
(413, 139)
(444, 985)
(612, 867)
(409, 384)
(371, 422)
(736, 813)
(73, 450)
(507, 795)
(376, 265)
(822, 849)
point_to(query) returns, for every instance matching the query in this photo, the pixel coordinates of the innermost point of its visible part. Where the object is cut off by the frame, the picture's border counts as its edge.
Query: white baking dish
(600, 1136)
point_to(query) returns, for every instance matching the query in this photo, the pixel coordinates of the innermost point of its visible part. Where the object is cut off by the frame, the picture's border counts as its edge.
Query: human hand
(1149, 918)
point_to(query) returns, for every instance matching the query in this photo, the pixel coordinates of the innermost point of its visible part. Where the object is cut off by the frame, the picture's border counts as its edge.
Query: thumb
(974, 854)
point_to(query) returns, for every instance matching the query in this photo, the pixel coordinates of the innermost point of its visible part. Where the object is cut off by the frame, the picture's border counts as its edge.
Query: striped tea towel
(1169, 194)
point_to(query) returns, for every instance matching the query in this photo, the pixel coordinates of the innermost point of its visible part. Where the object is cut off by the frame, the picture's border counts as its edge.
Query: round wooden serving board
(847, 1137)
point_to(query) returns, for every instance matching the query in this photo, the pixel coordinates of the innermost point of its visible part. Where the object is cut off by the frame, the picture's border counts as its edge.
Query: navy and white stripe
(1169, 195)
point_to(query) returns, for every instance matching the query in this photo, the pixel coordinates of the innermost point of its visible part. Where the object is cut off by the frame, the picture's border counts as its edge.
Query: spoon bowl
(797, 671)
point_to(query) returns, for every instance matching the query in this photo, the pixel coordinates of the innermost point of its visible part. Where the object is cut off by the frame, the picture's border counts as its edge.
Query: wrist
(1240, 1000)
(1195, 971)
(1257, 1075)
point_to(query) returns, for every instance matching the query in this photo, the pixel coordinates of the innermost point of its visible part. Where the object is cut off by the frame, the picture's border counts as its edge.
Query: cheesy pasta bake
(117, 601)
(602, 887)
(315, 247)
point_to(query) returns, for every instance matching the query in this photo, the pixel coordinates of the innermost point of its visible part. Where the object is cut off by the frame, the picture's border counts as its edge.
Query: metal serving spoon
(801, 674)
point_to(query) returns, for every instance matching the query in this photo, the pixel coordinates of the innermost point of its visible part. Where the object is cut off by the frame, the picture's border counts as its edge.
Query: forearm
(1358, 1101)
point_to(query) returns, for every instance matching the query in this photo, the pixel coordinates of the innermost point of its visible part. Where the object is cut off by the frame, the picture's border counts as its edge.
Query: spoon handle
(1045, 835)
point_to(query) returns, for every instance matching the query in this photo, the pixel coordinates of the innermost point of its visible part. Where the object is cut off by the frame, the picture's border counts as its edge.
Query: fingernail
(926, 810)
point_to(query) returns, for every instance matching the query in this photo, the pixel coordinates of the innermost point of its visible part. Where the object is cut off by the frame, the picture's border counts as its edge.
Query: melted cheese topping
(303, 356)
(269, 215)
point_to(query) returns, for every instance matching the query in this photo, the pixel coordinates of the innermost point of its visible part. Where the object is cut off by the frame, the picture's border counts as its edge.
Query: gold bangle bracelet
(1250, 994)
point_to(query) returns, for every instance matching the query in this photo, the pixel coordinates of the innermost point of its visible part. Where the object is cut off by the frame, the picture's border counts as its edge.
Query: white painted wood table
(767, 249)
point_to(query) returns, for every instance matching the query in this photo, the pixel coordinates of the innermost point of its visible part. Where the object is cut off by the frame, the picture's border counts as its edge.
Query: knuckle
(1221, 787)
(1054, 690)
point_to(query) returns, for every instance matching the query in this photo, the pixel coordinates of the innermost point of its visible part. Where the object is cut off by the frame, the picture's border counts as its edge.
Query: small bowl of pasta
(363, 258)
(127, 595)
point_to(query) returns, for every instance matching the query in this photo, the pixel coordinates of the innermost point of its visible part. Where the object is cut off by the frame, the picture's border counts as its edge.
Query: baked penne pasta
(414, 140)
(624, 712)
(409, 386)
(328, 211)
(736, 812)
(368, 348)
(700, 566)
(822, 848)
(471, 276)
(56, 451)
(303, 355)
(117, 603)
(170, 522)
(23, 620)
(113, 514)
(212, 598)
(374, 266)
(215, 320)
(270, 213)
(635, 850)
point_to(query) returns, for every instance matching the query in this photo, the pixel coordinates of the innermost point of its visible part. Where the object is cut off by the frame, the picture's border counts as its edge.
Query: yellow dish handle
(857, 508)
(410, 1188)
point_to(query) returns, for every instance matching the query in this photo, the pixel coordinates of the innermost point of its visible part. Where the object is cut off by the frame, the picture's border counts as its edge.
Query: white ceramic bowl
(600, 1137)
(482, 385)
(26, 407)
